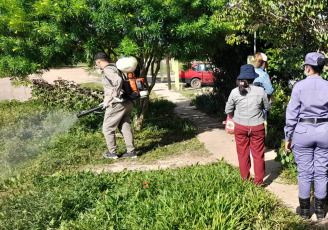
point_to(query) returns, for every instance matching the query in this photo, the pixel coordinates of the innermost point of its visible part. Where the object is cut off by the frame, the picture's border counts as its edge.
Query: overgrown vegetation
(43, 136)
(210, 104)
(198, 197)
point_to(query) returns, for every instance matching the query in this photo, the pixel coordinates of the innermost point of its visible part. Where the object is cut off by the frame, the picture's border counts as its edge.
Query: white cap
(264, 57)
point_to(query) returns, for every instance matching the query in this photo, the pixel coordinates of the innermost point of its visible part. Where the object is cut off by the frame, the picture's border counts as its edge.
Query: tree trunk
(168, 72)
(142, 106)
(142, 103)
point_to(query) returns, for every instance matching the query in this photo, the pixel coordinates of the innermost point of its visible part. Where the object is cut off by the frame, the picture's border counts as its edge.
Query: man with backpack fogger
(118, 110)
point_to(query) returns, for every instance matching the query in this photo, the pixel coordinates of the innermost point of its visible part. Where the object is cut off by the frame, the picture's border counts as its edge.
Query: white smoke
(30, 137)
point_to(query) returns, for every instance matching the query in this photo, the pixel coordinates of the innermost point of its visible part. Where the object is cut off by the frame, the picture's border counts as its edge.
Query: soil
(210, 131)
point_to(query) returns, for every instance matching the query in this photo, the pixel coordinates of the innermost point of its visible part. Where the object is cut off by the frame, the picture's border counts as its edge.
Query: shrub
(275, 129)
(276, 116)
(288, 164)
(68, 95)
(211, 104)
(65, 94)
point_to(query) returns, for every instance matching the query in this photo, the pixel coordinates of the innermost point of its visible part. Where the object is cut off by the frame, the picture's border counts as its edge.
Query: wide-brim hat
(247, 72)
(312, 58)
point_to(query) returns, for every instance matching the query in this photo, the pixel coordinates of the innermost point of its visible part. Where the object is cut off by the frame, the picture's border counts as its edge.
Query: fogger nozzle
(86, 112)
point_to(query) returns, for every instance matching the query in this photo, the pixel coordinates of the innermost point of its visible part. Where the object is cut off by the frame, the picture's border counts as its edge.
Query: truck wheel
(196, 83)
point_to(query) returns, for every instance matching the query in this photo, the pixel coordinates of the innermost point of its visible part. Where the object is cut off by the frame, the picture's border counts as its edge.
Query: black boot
(305, 208)
(320, 208)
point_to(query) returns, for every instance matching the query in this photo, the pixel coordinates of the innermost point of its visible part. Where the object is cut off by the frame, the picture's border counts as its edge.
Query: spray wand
(86, 112)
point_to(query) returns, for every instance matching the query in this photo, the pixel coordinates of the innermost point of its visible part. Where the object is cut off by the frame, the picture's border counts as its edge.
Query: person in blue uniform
(306, 133)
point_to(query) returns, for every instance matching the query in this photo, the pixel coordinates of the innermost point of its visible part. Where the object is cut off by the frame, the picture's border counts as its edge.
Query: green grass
(82, 64)
(38, 152)
(47, 190)
(289, 176)
(198, 197)
(92, 86)
(188, 92)
(24, 131)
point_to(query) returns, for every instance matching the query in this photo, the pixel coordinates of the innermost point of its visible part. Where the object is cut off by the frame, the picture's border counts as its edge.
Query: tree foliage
(284, 24)
(150, 30)
(41, 34)
(286, 31)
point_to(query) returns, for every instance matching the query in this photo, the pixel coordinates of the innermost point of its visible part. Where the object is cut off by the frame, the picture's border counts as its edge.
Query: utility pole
(250, 58)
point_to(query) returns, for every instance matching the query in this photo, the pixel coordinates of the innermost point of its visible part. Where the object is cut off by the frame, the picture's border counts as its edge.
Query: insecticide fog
(31, 137)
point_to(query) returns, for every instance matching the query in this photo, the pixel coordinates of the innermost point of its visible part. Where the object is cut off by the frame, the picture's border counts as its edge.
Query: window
(195, 68)
(201, 67)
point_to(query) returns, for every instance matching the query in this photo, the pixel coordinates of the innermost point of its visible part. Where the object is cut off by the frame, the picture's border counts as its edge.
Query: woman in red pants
(246, 104)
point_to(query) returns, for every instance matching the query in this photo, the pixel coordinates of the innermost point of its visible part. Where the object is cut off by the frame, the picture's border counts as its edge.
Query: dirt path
(210, 132)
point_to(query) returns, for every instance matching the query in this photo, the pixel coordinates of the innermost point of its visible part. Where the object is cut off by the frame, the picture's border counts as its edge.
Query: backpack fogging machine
(133, 88)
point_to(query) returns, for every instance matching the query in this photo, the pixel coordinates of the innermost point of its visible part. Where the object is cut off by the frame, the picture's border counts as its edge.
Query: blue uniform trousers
(310, 149)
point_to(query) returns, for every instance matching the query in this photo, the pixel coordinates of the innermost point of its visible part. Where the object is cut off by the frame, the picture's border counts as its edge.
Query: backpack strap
(120, 73)
(126, 84)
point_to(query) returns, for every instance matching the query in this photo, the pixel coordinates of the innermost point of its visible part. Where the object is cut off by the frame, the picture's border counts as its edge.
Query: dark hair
(100, 56)
(321, 63)
(243, 85)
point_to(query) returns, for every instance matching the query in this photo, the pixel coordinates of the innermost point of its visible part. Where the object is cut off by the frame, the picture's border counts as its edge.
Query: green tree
(284, 24)
(40, 34)
(286, 30)
(150, 30)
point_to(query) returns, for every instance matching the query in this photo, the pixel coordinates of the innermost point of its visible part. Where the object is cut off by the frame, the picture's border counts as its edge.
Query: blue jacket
(264, 80)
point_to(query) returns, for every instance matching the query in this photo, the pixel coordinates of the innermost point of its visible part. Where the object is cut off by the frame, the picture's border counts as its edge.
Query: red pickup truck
(199, 73)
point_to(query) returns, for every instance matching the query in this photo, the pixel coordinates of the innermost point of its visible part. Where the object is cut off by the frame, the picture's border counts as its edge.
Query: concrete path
(10, 92)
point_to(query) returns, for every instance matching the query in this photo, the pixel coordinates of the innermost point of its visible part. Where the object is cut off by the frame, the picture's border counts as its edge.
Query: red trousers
(250, 138)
